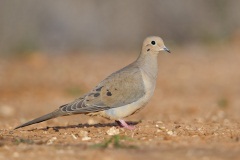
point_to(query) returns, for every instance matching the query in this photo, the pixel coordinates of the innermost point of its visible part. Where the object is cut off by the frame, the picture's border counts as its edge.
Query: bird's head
(153, 45)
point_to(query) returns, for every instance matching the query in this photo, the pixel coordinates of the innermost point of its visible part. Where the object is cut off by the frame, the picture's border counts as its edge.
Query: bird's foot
(123, 124)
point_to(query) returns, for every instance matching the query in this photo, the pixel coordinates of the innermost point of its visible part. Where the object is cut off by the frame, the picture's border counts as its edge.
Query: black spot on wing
(99, 89)
(109, 93)
(96, 94)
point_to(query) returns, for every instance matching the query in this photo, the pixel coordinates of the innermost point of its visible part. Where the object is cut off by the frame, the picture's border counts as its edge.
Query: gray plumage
(122, 93)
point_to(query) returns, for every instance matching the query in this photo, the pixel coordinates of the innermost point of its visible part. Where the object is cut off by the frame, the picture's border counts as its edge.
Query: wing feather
(119, 89)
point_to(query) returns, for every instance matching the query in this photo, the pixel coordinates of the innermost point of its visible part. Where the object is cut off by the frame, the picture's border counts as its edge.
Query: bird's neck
(149, 64)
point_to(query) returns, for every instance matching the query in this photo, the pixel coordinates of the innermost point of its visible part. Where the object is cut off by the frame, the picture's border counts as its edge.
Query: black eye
(153, 42)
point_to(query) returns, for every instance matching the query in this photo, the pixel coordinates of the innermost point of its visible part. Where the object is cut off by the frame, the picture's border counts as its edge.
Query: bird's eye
(153, 42)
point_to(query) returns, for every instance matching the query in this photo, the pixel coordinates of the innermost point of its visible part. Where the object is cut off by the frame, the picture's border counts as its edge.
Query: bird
(122, 93)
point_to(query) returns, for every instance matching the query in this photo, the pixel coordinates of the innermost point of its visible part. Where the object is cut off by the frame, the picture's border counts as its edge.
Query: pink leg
(125, 125)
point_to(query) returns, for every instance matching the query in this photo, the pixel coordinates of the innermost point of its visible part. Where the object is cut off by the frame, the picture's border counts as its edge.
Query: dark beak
(166, 49)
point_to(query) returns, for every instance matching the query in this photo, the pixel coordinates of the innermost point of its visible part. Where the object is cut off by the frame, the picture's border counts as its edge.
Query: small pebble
(74, 137)
(113, 131)
(83, 133)
(170, 133)
(86, 138)
(50, 141)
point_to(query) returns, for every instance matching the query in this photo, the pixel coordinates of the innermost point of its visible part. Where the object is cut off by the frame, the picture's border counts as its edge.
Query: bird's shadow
(85, 125)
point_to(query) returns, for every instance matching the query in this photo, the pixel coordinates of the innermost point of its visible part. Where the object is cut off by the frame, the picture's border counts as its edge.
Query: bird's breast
(129, 109)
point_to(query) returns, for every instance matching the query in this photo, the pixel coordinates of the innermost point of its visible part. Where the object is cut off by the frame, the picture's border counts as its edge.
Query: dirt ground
(194, 113)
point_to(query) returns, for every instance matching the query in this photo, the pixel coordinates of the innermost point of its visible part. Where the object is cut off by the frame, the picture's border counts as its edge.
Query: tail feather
(51, 115)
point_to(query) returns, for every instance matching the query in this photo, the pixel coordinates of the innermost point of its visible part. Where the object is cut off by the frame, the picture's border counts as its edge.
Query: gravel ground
(194, 113)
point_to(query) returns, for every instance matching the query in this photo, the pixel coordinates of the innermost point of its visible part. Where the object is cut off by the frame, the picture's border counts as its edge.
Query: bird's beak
(166, 49)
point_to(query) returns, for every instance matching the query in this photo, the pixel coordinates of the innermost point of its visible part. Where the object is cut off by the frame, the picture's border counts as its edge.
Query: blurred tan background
(62, 49)
(66, 26)
(54, 51)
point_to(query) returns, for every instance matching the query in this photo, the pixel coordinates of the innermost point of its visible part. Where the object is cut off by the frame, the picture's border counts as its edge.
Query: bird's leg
(123, 124)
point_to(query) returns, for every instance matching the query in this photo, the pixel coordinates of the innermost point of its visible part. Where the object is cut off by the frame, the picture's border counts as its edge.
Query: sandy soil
(194, 113)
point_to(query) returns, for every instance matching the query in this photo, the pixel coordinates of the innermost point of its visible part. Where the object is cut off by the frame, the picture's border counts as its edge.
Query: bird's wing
(120, 88)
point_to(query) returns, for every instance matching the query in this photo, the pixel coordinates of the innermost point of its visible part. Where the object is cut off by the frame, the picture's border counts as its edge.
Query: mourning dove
(122, 93)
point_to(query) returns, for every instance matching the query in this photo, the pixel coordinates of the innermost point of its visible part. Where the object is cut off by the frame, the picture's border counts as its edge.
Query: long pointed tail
(51, 115)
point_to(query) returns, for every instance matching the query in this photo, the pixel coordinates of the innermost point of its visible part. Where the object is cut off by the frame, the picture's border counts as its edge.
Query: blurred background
(51, 52)
(67, 26)
(54, 51)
